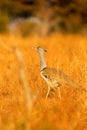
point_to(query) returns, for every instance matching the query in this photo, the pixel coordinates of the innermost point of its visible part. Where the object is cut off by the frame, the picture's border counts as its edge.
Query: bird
(54, 78)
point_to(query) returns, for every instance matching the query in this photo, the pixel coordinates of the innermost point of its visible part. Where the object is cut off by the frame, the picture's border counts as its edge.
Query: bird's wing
(50, 73)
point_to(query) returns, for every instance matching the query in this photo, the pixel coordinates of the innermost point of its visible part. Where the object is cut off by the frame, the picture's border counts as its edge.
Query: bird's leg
(59, 93)
(48, 92)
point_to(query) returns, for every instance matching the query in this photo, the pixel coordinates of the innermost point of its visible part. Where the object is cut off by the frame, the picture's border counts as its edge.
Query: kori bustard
(53, 77)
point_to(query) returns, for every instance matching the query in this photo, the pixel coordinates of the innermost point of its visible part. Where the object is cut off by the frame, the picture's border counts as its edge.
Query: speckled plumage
(56, 77)
(53, 77)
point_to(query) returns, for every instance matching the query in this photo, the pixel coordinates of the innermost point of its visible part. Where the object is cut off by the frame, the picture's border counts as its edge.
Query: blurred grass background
(60, 26)
(67, 16)
(62, 52)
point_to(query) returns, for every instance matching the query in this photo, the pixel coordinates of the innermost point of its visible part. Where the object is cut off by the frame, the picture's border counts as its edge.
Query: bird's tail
(71, 82)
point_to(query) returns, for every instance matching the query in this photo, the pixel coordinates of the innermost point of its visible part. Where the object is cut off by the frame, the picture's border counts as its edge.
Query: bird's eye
(46, 76)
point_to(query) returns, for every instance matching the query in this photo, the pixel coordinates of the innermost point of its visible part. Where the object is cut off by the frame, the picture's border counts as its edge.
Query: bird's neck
(42, 61)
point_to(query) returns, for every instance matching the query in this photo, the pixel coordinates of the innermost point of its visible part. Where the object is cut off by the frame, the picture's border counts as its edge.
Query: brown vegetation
(67, 52)
(65, 15)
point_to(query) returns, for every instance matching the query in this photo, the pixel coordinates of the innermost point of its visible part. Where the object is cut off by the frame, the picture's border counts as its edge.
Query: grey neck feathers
(42, 61)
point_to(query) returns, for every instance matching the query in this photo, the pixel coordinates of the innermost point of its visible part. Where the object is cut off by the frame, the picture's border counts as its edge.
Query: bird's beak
(35, 48)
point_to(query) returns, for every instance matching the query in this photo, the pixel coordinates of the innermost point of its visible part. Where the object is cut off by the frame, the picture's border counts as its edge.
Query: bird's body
(52, 76)
(56, 77)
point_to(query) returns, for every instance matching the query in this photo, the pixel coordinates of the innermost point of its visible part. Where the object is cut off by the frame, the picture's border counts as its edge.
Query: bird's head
(39, 49)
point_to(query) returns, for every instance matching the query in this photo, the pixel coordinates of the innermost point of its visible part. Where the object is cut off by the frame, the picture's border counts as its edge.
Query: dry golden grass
(67, 52)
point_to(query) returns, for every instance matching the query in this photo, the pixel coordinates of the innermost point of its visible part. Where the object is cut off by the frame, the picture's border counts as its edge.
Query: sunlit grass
(67, 52)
